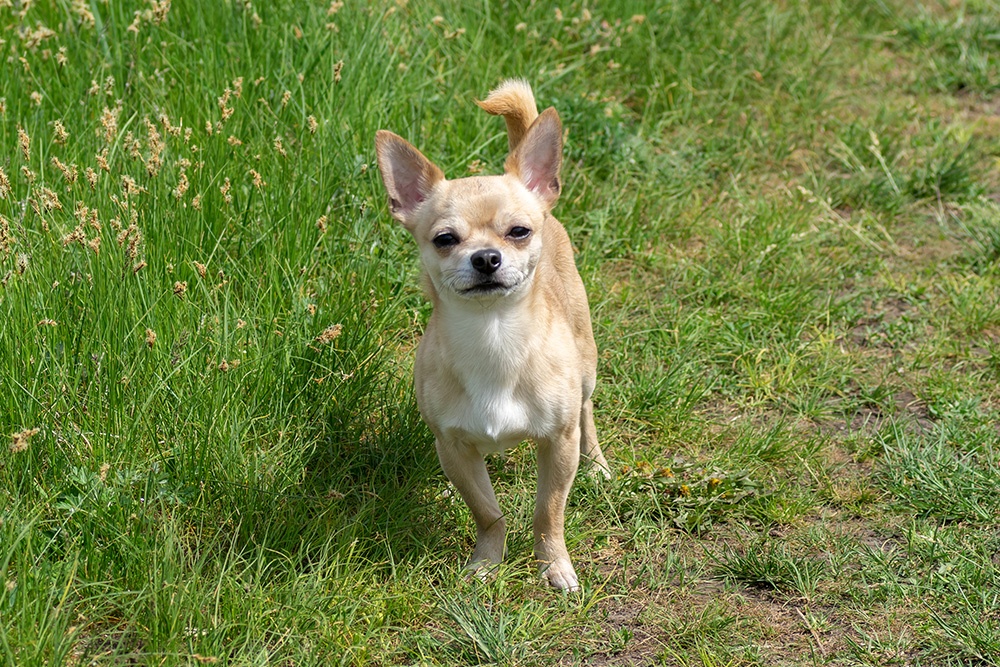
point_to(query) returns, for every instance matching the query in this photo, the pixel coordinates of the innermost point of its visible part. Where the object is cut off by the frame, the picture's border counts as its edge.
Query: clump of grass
(772, 566)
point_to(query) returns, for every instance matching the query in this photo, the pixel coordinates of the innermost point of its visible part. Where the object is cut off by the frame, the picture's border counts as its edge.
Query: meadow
(787, 216)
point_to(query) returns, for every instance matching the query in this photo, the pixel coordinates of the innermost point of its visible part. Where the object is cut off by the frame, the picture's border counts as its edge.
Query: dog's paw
(482, 570)
(560, 575)
(598, 472)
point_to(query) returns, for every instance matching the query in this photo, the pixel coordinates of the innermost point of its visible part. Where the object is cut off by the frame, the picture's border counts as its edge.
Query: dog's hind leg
(590, 449)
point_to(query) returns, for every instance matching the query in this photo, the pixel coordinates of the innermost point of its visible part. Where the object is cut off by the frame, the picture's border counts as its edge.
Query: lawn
(787, 216)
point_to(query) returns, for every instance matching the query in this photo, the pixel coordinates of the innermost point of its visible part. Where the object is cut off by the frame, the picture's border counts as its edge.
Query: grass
(786, 217)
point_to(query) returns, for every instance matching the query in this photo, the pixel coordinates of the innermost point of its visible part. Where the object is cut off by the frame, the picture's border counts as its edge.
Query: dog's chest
(505, 396)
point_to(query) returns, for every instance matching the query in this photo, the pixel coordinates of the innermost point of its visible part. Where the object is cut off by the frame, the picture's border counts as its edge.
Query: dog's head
(481, 236)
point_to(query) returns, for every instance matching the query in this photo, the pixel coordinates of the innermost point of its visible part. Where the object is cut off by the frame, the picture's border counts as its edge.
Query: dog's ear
(408, 176)
(537, 159)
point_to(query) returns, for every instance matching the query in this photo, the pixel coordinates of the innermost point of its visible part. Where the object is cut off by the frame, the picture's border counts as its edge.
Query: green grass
(786, 217)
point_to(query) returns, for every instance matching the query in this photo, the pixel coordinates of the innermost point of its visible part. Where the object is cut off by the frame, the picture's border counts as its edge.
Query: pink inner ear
(539, 181)
(411, 190)
(538, 157)
(539, 172)
(410, 183)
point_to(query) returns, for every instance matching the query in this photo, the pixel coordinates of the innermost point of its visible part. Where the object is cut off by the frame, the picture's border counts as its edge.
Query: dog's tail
(513, 100)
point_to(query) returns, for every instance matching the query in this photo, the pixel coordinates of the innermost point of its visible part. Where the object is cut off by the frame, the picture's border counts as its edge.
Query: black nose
(486, 261)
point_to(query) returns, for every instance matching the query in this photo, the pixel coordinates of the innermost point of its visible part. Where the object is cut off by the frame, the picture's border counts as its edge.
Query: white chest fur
(505, 393)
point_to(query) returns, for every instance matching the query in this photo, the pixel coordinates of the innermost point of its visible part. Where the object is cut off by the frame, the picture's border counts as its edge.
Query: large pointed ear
(537, 159)
(408, 176)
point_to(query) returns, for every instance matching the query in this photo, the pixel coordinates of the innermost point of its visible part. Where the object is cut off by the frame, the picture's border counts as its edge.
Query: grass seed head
(4, 184)
(69, 172)
(329, 334)
(109, 121)
(159, 11)
(130, 187)
(150, 338)
(156, 147)
(75, 236)
(313, 125)
(180, 288)
(49, 200)
(182, 186)
(59, 133)
(24, 141)
(21, 440)
(81, 8)
(7, 239)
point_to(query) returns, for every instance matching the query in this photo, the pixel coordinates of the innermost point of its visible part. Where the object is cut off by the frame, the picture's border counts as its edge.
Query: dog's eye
(445, 240)
(519, 233)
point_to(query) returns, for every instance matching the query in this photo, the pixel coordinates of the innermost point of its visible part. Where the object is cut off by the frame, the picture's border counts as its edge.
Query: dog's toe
(561, 575)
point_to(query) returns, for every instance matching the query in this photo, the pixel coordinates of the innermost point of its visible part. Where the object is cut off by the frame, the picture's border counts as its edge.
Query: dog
(508, 354)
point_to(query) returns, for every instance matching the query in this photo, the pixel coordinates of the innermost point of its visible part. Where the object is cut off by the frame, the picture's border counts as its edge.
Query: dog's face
(480, 237)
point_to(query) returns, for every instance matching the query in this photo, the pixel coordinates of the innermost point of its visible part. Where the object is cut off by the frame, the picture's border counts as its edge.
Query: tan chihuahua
(509, 353)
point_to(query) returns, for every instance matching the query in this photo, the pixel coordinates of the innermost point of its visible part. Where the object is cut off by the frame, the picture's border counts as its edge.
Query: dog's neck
(492, 337)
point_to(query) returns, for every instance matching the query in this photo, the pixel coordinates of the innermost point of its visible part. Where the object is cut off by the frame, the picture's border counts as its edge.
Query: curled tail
(513, 100)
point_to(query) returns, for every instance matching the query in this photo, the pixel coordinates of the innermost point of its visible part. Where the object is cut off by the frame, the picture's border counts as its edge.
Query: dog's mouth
(486, 287)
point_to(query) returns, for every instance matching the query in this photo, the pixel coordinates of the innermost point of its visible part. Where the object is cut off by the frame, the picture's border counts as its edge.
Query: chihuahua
(509, 353)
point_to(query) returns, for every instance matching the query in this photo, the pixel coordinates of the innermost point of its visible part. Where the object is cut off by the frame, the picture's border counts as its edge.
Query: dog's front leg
(464, 466)
(558, 460)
